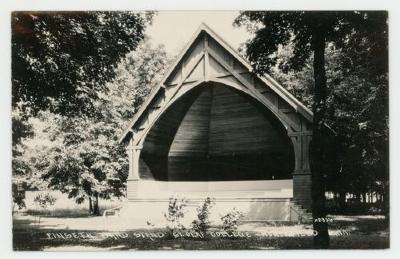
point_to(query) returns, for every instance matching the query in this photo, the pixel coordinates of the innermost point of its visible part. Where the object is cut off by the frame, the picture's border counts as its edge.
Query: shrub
(174, 215)
(44, 200)
(202, 223)
(230, 221)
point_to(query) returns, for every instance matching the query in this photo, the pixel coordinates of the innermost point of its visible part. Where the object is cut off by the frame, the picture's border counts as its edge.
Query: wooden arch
(140, 140)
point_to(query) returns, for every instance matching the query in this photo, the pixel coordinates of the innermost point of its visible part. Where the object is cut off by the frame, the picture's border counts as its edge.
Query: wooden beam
(259, 96)
(165, 105)
(266, 79)
(206, 59)
(300, 133)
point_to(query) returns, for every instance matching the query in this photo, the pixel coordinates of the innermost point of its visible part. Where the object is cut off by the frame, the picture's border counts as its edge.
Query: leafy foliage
(202, 223)
(136, 75)
(309, 33)
(357, 104)
(62, 60)
(88, 162)
(175, 213)
(231, 220)
(80, 154)
(44, 200)
(274, 29)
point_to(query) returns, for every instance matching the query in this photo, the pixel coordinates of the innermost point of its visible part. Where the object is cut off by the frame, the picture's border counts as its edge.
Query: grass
(63, 207)
(37, 240)
(361, 233)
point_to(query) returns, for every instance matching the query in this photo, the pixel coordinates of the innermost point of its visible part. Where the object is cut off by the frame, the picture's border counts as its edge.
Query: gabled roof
(266, 79)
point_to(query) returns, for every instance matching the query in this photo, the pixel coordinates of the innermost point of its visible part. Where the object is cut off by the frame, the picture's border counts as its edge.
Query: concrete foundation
(151, 212)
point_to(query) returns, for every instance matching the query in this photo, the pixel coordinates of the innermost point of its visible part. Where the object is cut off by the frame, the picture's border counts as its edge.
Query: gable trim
(266, 79)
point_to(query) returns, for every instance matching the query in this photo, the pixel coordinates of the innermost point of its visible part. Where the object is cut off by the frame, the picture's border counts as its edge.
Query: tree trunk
(321, 236)
(90, 205)
(335, 197)
(342, 201)
(96, 210)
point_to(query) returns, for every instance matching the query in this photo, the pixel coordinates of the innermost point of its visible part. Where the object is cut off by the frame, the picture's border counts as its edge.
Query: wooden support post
(133, 177)
(302, 174)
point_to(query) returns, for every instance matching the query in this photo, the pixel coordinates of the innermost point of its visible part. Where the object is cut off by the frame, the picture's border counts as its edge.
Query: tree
(309, 33)
(62, 60)
(79, 154)
(357, 110)
(21, 130)
(136, 75)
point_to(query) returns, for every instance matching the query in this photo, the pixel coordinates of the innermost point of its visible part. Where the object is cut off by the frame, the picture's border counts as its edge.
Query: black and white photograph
(200, 130)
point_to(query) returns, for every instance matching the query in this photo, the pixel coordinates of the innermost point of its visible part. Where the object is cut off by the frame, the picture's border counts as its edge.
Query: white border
(5, 110)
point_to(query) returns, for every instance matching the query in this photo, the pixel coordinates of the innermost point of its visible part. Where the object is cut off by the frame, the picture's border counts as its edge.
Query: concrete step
(299, 214)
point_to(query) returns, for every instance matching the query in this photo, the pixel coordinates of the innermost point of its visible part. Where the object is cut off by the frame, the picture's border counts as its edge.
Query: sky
(174, 29)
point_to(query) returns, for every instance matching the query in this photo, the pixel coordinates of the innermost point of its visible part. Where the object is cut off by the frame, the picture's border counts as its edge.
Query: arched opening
(216, 133)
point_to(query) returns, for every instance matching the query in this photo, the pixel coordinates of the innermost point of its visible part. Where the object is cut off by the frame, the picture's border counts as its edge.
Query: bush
(202, 223)
(174, 215)
(44, 200)
(230, 221)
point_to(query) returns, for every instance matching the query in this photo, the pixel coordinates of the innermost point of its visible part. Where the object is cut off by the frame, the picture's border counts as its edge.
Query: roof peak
(204, 26)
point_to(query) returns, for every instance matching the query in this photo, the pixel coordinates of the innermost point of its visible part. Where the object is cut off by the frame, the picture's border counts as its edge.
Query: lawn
(347, 232)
